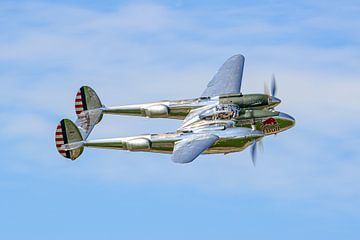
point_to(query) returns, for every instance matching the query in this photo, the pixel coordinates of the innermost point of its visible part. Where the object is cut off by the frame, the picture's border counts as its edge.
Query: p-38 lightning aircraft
(222, 120)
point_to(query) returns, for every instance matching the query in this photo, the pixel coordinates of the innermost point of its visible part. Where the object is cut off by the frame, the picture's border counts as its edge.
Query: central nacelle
(234, 112)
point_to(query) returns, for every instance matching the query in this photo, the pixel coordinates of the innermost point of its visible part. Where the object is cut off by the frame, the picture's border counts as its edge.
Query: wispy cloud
(144, 52)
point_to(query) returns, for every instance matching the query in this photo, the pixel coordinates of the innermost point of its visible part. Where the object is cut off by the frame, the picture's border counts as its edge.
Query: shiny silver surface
(157, 111)
(272, 125)
(178, 109)
(138, 144)
(189, 148)
(228, 78)
(274, 101)
(228, 140)
(222, 120)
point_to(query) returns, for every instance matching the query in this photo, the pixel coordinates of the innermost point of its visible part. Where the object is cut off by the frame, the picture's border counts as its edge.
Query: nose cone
(288, 119)
(274, 101)
(287, 116)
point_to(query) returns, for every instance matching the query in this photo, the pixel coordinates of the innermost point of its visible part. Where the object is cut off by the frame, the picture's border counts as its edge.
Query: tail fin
(69, 141)
(86, 99)
(89, 110)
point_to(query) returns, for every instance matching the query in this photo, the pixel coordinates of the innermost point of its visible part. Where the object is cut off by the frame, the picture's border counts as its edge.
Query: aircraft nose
(291, 121)
(274, 101)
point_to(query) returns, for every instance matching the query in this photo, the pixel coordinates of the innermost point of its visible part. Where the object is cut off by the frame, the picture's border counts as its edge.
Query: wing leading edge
(187, 149)
(227, 79)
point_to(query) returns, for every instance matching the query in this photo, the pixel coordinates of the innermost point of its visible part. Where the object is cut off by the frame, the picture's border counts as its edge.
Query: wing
(187, 149)
(227, 79)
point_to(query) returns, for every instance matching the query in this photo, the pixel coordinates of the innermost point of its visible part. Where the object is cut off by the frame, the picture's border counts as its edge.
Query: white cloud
(145, 52)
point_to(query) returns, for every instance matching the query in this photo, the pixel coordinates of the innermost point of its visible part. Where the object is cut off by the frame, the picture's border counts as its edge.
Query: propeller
(272, 92)
(267, 91)
(273, 86)
(254, 150)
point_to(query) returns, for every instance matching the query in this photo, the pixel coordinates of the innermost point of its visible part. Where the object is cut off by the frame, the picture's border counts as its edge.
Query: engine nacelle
(156, 111)
(139, 144)
(245, 101)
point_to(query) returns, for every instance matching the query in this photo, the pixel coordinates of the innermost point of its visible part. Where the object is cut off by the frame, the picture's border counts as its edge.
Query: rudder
(89, 110)
(69, 141)
(86, 99)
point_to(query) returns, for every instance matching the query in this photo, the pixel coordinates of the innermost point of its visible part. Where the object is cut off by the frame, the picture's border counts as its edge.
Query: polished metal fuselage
(179, 109)
(231, 138)
(229, 117)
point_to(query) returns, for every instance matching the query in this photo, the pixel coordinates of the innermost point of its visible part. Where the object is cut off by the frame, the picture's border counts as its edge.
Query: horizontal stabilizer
(87, 120)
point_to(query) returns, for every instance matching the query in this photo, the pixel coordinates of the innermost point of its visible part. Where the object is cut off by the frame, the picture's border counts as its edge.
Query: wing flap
(227, 79)
(187, 149)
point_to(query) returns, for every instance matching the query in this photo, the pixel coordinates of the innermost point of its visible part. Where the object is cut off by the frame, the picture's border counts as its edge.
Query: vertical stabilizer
(69, 141)
(89, 110)
(86, 99)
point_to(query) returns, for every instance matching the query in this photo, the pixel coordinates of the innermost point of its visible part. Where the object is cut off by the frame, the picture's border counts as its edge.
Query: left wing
(187, 149)
(227, 79)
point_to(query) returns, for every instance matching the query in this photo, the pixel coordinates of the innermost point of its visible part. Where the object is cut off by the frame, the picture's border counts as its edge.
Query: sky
(306, 183)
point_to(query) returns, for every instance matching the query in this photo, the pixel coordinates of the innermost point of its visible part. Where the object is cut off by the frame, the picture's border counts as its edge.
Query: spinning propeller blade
(273, 101)
(266, 89)
(273, 86)
(254, 150)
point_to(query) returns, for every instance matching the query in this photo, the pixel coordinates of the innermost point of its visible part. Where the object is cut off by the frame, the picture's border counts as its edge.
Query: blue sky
(305, 185)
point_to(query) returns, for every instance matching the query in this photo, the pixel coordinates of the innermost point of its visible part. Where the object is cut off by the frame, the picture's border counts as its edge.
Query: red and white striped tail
(60, 141)
(86, 99)
(68, 133)
(79, 103)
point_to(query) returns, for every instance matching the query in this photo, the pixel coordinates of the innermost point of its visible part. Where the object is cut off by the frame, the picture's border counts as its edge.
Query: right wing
(187, 149)
(227, 79)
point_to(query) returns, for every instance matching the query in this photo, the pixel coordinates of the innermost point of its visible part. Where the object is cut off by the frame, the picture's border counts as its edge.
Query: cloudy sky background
(305, 185)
